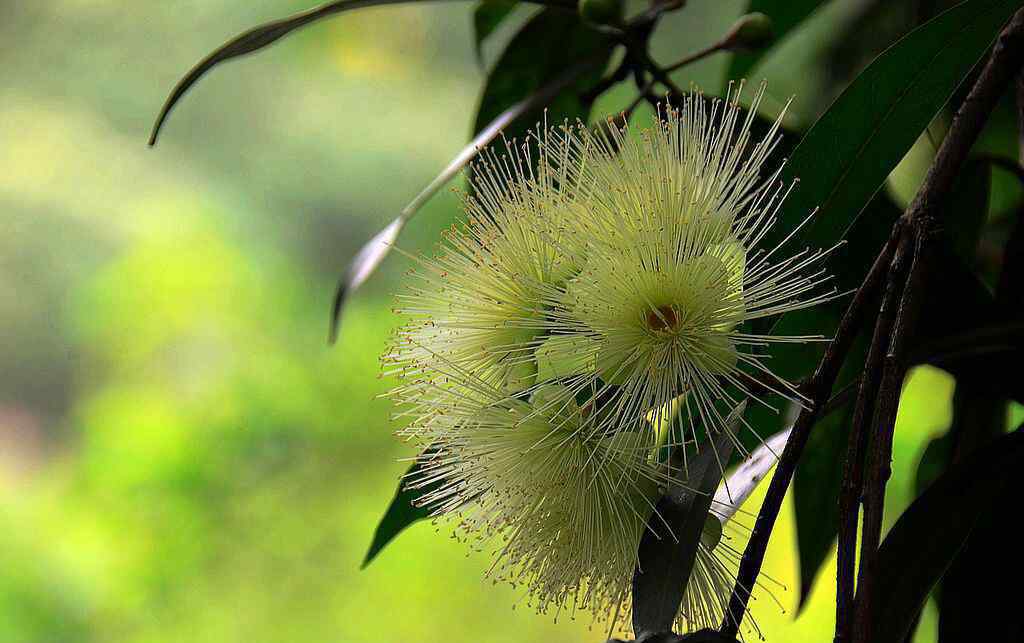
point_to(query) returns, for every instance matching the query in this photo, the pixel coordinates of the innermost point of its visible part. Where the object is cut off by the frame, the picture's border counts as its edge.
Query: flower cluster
(596, 296)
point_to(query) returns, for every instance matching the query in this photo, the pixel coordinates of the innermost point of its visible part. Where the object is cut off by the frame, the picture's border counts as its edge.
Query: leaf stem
(818, 389)
(853, 469)
(891, 331)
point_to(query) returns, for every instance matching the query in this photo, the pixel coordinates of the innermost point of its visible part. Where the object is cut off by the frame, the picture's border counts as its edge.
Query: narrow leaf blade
(930, 533)
(487, 17)
(852, 148)
(252, 41)
(668, 548)
(402, 512)
(376, 249)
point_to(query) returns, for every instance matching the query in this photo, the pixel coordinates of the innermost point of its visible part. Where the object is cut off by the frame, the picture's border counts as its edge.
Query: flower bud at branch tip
(752, 31)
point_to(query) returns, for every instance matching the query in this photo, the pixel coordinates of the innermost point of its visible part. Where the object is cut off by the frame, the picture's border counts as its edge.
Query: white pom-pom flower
(563, 509)
(551, 334)
(673, 223)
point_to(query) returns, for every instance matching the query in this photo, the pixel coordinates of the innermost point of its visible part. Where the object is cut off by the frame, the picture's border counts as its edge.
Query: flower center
(663, 319)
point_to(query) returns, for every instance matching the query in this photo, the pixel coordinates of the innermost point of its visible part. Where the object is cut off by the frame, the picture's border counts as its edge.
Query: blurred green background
(182, 457)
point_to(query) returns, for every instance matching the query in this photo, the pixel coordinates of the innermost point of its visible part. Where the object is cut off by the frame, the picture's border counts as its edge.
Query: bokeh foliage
(182, 456)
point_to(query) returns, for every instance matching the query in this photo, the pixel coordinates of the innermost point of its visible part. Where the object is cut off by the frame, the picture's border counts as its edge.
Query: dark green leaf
(402, 512)
(849, 151)
(669, 545)
(818, 478)
(935, 459)
(487, 16)
(930, 533)
(550, 42)
(968, 209)
(978, 418)
(785, 15)
(968, 590)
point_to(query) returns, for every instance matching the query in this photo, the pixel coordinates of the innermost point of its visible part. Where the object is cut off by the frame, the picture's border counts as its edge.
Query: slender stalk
(920, 220)
(661, 75)
(818, 389)
(853, 465)
(698, 55)
(884, 420)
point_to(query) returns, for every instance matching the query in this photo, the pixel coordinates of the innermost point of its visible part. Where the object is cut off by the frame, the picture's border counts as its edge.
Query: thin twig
(884, 420)
(659, 74)
(818, 389)
(853, 470)
(698, 55)
(919, 222)
(621, 73)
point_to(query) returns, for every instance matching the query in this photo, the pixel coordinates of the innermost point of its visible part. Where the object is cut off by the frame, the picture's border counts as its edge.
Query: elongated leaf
(968, 209)
(547, 44)
(785, 14)
(402, 512)
(978, 418)
(487, 17)
(738, 486)
(935, 459)
(967, 589)
(267, 34)
(930, 533)
(847, 154)
(252, 41)
(818, 479)
(977, 407)
(668, 547)
(376, 249)
(849, 151)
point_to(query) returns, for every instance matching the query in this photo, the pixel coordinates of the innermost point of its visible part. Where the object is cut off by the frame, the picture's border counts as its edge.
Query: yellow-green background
(182, 457)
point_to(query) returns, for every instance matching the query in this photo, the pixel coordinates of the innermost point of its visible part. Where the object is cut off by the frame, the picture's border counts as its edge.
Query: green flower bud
(711, 533)
(752, 31)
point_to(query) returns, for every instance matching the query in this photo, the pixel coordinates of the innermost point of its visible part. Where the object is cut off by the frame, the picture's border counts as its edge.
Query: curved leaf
(402, 512)
(376, 249)
(669, 544)
(487, 16)
(852, 148)
(251, 41)
(267, 34)
(547, 44)
(927, 537)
